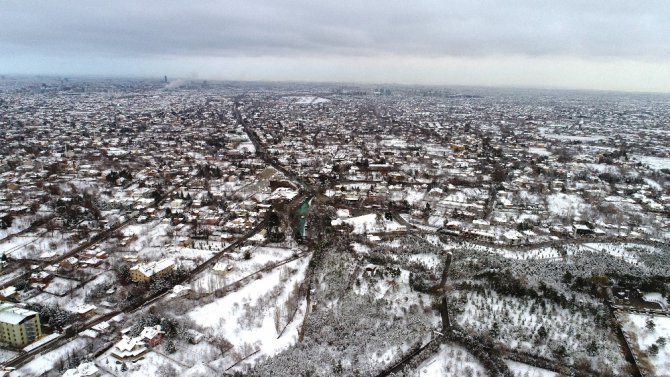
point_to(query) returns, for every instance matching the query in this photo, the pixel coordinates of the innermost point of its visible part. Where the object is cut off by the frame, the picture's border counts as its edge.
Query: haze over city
(348, 189)
(604, 45)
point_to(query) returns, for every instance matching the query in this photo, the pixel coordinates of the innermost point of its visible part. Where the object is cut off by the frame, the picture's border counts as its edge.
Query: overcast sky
(593, 44)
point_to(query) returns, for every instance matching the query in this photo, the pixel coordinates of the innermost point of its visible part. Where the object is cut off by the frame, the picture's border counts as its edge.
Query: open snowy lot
(50, 360)
(648, 335)
(525, 370)
(541, 327)
(150, 364)
(370, 223)
(18, 224)
(40, 245)
(258, 258)
(253, 317)
(451, 361)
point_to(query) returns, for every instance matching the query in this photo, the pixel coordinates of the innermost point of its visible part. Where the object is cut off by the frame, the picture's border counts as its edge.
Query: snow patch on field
(616, 250)
(370, 223)
(451, 361)
(539, 151)
(656, 163)
(635, 326)
(246, 316)
(564, 204)
(525, 370)
(309, 100)
(49, 360)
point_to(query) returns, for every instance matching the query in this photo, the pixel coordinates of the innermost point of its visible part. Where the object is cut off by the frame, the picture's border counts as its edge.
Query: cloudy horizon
(605, 45)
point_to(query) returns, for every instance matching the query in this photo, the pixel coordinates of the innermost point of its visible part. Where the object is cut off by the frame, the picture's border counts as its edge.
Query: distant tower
(165, 79)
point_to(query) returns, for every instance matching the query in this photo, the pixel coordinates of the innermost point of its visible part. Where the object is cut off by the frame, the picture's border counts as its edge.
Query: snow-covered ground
(309, 100)
(518, 323)
(246, 317)
(49, 360)
(370, 223)
(525, 370)
(37, 245)
(19, 224)
(642, 338)
(656, 163)
(619, 250)
(60, 286)
(539, 151)
(539, 253)
(149, 364)
(7, 355)
(451, 361)
(260, 257)
(565, 204)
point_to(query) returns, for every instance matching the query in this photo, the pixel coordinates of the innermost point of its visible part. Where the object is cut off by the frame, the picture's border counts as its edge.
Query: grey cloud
(620, 29)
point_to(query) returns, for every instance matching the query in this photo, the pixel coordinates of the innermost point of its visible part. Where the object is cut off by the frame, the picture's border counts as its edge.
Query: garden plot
(259, 257)
(540, 327)
(360, 248)
(9, 276)
(193, 255)
(451, 361)
(648, 336)
(67, 302)
(414, 196)
(252, 317)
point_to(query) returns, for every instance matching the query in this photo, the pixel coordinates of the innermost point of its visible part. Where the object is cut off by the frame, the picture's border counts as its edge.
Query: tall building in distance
(18, 327)
(165, 79)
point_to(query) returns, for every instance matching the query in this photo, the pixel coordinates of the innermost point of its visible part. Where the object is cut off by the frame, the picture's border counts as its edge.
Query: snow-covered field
(565, 204)
(150, 364)
(616, 250)
(246, 317)
(19, 224)
(37, 246)
(517, 322)
(451, 361)
(643, 337)
(60, 286)
(7, 355)
(309, 100)
(260, 257)
(525, 370)
(656, 163)
(524, 254)
(370, 223)
(49, 360)
(539, 151)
